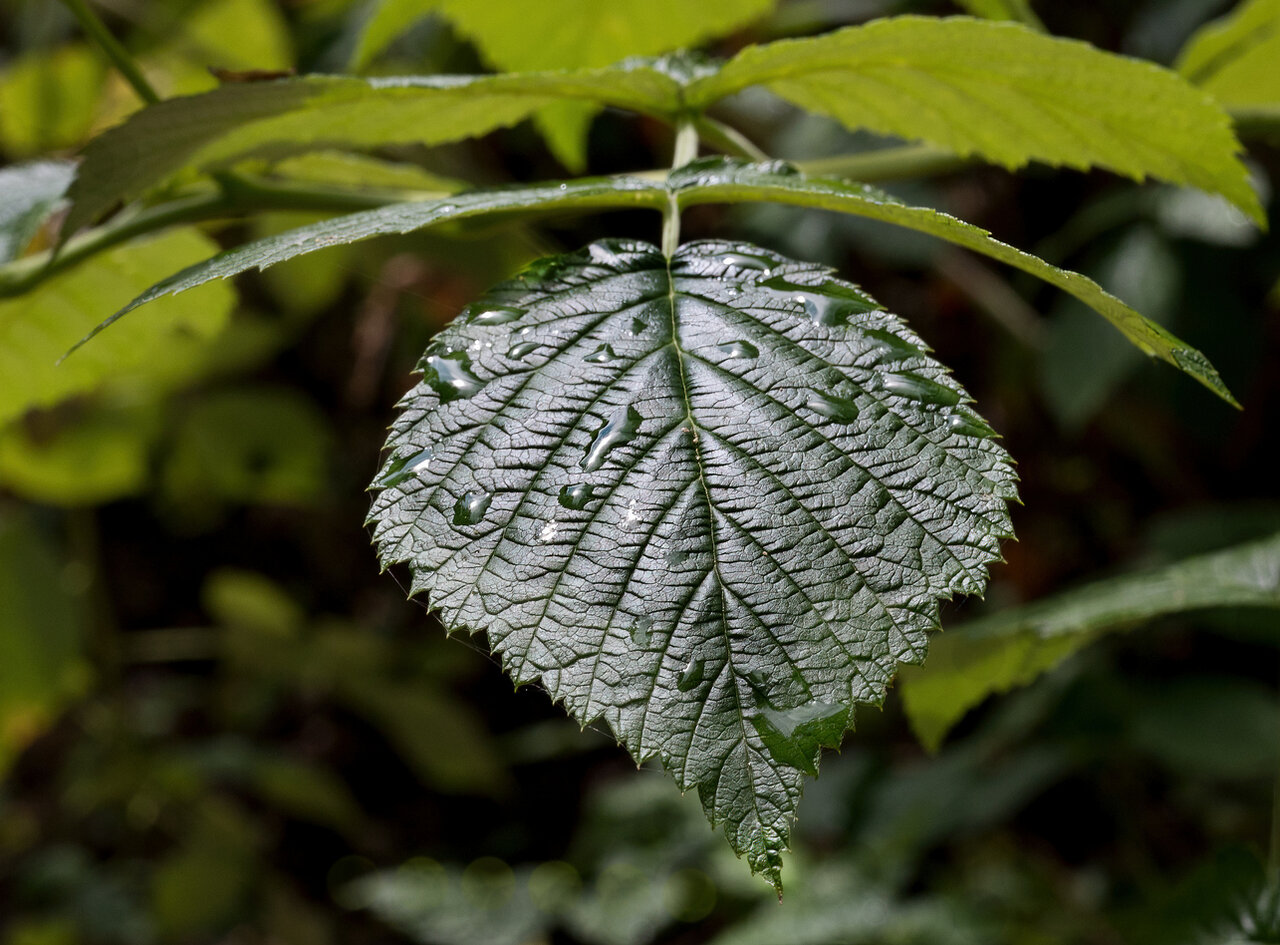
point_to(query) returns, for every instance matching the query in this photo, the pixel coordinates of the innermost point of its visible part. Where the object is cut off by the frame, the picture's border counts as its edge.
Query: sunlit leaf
(529, 35)
(713, 501)
(47, 100)
(158, 351)
(1013, 647)
(1236, 58)
(1019, 10)
(274, 119)
(1001, 92)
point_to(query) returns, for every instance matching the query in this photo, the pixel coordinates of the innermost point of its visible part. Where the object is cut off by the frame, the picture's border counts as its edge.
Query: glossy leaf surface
(713, 501)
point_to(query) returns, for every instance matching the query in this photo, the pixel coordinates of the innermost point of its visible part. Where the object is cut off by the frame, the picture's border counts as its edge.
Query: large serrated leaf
(1011, 648)
(1005, 93)
(712, 500)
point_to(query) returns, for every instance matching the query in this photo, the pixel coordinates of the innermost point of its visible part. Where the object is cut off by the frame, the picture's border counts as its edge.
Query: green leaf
(1004, 93)
(43, 623)
(712, 500)
(83, 456)
(585, 193)
(1017, 10)
(1235, 60)
(1012, 648)
(274, 119)
(718, 181)
(158, 351)
(520, 35)
(28, 194)
(47, 100)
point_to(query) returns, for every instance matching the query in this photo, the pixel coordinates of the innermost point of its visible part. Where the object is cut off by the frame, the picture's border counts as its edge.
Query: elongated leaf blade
(720, 181)
(586, 193)
(1004, 93)
(1237, 59)
(712, 500)
(1012, 648)
(272, 119)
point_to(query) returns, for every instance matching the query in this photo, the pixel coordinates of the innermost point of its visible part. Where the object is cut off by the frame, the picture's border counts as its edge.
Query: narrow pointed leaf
(271, 119)
(1005, 93)
(712, 500)
(1013, 647)
(585, 193)
(719, 181)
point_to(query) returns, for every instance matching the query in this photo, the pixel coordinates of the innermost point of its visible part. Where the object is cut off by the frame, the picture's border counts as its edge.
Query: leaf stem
(686, 150)
(119, 56)
(913, 160)
(234, 197)
(728, 139)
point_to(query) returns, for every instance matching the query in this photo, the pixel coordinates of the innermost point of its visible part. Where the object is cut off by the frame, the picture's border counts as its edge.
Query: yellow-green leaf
(1237, 58)
(1002, 92)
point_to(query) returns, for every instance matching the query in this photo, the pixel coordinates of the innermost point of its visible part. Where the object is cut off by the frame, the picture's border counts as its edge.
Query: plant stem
(686, 150)
(1273, 853)
(118, 55)
(235, 197)
(728, 139)
(913, 160)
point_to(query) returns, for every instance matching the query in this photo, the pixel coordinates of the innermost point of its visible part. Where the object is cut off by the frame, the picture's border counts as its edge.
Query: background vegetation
(219, 723)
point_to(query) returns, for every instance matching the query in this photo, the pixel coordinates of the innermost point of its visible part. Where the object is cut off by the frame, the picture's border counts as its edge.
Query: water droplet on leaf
(470, 509)
(748, 261)
(494, 315)
(406, 467)
(522, 350)
(618, 430)
(839, 409)
(692, 675)
(602, 355)
(915, 387)
(577, 495)
(449, 375)
(829, 304)
(640, 630)
(739, 349)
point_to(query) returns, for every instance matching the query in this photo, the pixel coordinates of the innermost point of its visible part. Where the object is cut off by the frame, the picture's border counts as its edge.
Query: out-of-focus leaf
(83, 455)
(275, 119)
(1083, 361)
(530, 35)
(43, 622)
(47, 100)
(249, 445)
(359, 170)
(721, 593)
(487, 903)
(1012, 648)
(1002, 92)
(1214, 726)
(251, 601)
(159, 351)
(841, 903)
(28, 193)
(1018, 10)
(308, 792)
(200, 888)
(1235, 58)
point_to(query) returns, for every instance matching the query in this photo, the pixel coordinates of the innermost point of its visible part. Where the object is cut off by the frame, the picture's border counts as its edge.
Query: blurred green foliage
(219, 723)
